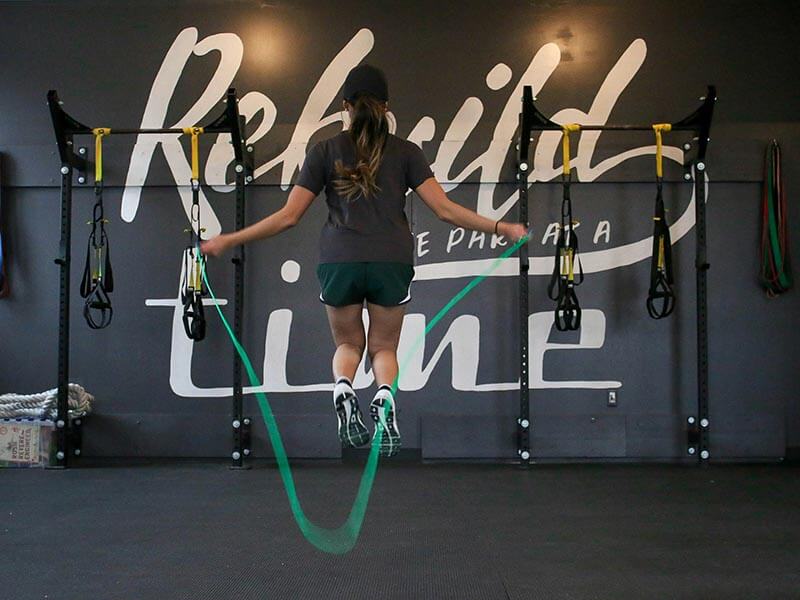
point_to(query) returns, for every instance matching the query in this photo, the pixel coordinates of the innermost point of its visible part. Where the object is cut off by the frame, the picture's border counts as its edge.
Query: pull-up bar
(68, 434)
(138, 131)
(616, 128)
(699, 123)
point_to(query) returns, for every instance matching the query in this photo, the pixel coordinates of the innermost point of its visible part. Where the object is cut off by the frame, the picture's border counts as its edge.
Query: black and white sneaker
(382, 411)
(352, 431)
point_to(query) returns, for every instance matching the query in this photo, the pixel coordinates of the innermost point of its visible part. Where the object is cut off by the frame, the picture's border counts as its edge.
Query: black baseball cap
(365, 79)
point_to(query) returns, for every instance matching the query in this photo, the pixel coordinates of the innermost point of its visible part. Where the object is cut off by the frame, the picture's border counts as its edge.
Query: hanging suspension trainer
(776, 273)
(563, 281)
(98, 277)
(661, 295)
(191, 284)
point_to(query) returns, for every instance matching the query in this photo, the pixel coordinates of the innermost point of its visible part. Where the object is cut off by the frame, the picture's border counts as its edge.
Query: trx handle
(563, 282)
(194, 320)
(97, 309)
(192, 290)
(568, 313)
(660, 295)
(98, 279)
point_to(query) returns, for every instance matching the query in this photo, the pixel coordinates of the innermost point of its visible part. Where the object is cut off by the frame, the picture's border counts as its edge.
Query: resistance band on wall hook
(776, 273)
(661, 294)
(563, 281)
(98, 277)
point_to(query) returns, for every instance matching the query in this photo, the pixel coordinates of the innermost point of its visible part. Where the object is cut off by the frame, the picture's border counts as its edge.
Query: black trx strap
(660, 296)
(563, 282)
(192, 289)
(98, 278)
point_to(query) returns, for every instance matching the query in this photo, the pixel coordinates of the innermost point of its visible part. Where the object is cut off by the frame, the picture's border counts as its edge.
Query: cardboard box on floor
(25, 442)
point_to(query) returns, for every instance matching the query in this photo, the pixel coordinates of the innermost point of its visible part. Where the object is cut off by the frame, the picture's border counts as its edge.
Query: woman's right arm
(448, 211)
(287, 217)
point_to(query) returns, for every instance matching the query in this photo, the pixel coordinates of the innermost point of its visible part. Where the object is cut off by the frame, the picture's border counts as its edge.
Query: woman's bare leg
(347, 328)
(385, 323)
(384, 334)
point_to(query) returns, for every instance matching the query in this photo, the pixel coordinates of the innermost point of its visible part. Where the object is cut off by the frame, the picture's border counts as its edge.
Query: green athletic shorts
(382, 283)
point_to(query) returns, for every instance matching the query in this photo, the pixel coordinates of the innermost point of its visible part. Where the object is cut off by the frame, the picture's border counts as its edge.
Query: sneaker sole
(354, 433)
(391, 440)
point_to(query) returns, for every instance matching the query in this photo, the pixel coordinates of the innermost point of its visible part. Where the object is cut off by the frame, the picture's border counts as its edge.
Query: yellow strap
(99, 132)
(660, 128)
(571, 265)
(195, 133)
(97, 273)
(661, 253)
(571, 127)
(197, 279)
(567, 264)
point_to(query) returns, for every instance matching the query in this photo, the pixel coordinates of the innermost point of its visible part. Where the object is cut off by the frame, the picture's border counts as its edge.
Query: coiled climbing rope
(44, 404)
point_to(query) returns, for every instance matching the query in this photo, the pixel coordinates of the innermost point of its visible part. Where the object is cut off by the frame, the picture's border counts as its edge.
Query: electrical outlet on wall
(612, 397)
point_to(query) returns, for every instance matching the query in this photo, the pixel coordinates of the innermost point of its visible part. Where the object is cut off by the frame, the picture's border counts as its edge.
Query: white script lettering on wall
(462, 336)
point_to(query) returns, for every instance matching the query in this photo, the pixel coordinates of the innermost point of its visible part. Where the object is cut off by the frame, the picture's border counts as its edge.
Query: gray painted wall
(658, 56)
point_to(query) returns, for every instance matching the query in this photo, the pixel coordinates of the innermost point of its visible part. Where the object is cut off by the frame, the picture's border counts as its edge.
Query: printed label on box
(19, 442)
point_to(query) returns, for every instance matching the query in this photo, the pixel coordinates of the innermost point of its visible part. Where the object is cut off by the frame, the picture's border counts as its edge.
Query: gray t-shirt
(373, 229)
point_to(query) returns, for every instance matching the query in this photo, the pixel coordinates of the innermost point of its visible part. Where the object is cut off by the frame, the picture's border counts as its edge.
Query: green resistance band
(343, 538)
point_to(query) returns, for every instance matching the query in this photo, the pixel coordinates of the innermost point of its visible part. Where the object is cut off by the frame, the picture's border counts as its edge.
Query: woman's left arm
(448, 211)
(288, 216)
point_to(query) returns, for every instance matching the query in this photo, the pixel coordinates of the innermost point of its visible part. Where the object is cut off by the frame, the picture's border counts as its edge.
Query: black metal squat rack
(67, 432)
(699, 124)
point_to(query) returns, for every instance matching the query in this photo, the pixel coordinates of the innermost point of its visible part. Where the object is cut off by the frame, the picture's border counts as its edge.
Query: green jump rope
(343, 538)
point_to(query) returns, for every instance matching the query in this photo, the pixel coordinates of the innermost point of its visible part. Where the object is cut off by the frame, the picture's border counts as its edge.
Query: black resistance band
(192, 288)
(98, 278)
(563, 282)
(661, 295)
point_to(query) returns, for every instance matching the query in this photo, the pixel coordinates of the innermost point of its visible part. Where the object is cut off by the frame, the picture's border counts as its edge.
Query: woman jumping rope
(366, 246)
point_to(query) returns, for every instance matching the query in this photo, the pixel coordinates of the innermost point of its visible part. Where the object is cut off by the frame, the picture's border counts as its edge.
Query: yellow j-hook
(660, 128)
(99, 132)
(195, 133)
(566, 130)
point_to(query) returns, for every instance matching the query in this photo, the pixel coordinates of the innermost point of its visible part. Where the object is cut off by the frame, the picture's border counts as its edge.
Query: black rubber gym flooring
(197, 530)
